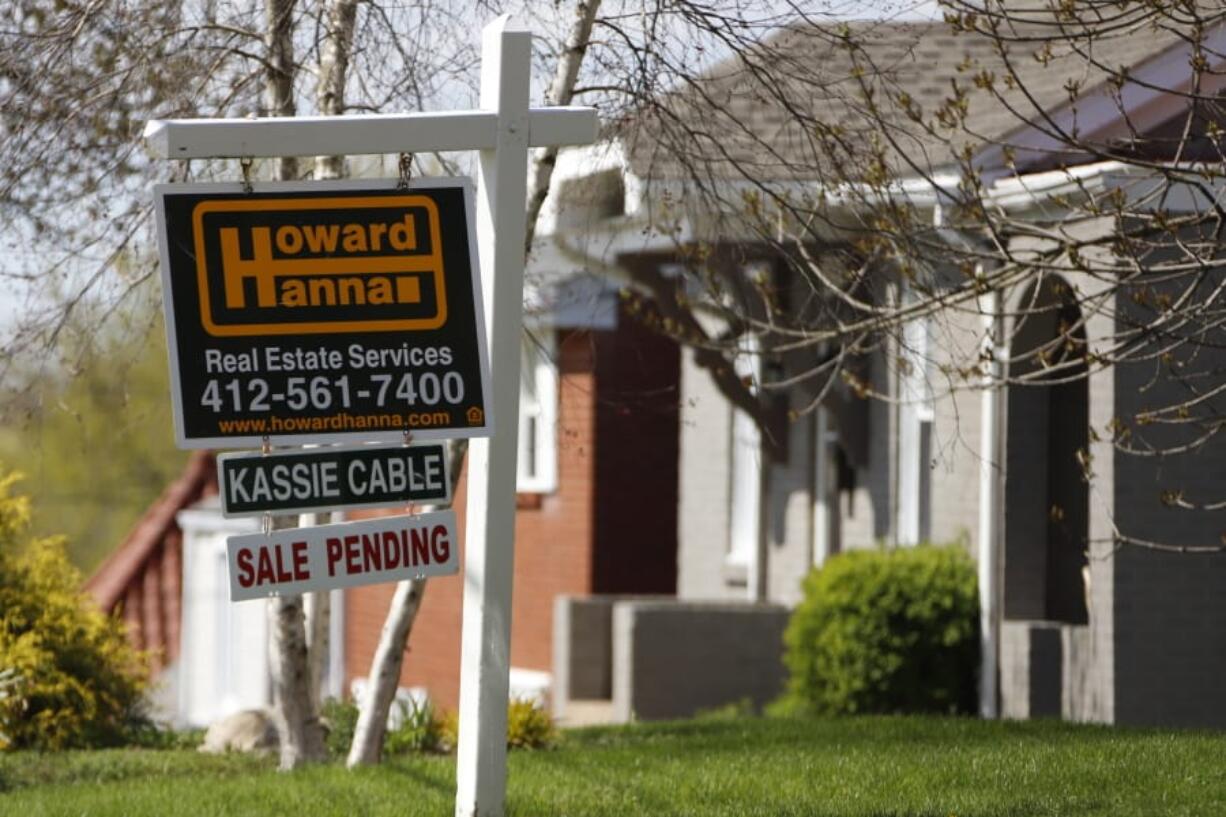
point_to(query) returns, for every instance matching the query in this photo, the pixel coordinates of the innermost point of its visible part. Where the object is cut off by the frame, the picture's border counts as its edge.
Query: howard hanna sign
(308, 312)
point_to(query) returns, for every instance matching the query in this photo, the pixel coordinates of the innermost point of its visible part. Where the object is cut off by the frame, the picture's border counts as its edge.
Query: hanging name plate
(317, 311)
(333, 478)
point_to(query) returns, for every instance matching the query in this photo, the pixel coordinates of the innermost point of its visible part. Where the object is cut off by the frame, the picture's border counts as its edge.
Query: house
(596, 514)
(677, 490)
(1082, 617)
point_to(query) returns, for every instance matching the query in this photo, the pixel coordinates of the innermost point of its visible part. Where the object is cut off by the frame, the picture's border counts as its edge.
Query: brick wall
(617, 394)
(552, 556)
(1169, 608)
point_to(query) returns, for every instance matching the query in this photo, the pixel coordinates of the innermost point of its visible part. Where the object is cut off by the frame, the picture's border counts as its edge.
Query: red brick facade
(609, 527)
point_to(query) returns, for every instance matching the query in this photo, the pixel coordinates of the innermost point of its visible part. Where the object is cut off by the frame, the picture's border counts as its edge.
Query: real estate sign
(332, 478)
(310, 312)
(299, 560)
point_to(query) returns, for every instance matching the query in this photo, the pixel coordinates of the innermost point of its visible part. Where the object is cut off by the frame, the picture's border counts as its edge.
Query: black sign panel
(309, 312)
(325, 479)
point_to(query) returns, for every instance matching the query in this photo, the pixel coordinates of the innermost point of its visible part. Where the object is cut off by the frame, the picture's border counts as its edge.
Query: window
(538, 414)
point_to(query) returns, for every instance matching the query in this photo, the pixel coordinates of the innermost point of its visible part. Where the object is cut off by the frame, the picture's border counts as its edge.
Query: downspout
(756, 578)
(821, 488)
(989, 509)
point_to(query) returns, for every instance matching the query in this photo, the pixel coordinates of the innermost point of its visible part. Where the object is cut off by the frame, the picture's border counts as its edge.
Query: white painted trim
(544, 374)
(210, 519)
(530, 685)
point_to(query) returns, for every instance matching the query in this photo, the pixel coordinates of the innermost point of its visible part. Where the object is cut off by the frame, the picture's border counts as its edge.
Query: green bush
(73, 680)
(885, 631)
(420, 730)
(529, 726)
(341, 718)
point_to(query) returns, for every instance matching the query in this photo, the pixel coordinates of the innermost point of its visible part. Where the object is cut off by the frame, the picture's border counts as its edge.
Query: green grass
(862, 767)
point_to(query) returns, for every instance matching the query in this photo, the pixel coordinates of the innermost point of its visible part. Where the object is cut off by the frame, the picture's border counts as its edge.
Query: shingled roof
(142, 578)
(801, 104)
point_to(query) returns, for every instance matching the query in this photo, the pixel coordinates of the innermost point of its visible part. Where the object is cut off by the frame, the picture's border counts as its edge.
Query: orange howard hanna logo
(319, 265)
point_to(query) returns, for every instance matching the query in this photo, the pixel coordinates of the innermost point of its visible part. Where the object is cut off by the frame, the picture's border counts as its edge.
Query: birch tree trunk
(384, 677)
(561, 92)
(318, 612)
(295, 709)
(279, 73)
(385, 667)
(340, 18)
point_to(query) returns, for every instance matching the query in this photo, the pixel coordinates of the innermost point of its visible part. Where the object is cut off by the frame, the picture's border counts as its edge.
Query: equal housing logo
(319, 265)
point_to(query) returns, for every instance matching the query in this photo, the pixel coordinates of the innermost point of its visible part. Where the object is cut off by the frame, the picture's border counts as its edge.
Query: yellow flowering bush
(73, 678)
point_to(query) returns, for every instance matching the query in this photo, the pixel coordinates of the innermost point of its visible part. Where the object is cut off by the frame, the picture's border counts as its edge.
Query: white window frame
(537, 463)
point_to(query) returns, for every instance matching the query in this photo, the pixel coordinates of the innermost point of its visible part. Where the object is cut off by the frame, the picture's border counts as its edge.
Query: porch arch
(1046, 494)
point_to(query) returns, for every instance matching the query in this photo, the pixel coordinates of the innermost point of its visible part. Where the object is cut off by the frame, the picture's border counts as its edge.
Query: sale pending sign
(323, 311)
(299, 560)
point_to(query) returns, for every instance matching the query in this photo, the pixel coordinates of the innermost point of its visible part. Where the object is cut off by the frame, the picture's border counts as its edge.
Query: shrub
(449, 730)
(341, 718)
(529, 726)
(420, 730)
(885, 631)
(74, 680)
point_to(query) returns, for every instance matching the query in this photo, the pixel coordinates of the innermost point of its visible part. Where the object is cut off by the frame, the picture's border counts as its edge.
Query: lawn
(861, 767)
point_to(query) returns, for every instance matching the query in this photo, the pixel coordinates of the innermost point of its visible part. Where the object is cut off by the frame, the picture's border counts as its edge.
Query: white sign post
(502, 131)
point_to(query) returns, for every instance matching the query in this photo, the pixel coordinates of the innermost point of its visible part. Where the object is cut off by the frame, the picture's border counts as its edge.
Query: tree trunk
(295, 711)
(318, 613)
(560, 92)
(384, 677)
(340, 17)
(385, 667)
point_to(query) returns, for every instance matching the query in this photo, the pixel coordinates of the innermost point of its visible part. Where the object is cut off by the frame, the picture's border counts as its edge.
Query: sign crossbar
(360, 134)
